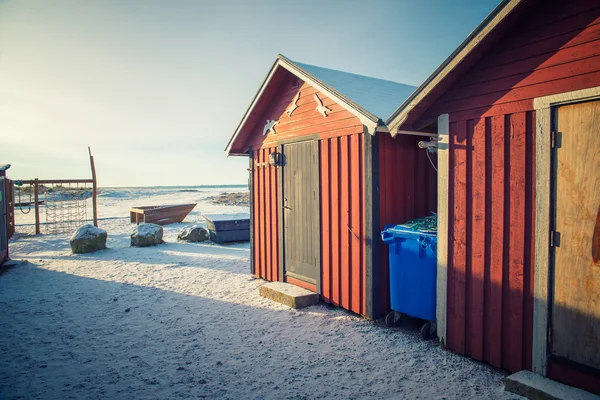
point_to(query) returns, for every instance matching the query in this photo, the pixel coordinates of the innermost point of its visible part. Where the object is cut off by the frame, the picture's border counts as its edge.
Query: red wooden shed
(325, 176)
(517, 110)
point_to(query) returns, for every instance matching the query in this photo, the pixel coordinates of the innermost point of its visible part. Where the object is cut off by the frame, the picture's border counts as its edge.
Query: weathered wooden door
(300, 212)
(575, 308)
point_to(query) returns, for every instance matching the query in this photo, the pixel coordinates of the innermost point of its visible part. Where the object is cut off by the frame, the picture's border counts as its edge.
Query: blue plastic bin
(413, 271)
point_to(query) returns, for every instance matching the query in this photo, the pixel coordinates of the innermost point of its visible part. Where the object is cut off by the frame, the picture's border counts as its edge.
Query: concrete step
(536, 387)
(290, 295)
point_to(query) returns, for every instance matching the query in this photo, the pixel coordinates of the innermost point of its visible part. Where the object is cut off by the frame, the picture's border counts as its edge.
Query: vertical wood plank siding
(265, 228)
(490, 262)
(552, 49)
(342, 223)
(341, 183)
(408, 189)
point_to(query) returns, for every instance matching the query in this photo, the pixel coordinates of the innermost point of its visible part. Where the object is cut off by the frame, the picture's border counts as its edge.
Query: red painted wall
(340, 136)
(408, 190)
(342, 222)
(265, 246)
(554, 48)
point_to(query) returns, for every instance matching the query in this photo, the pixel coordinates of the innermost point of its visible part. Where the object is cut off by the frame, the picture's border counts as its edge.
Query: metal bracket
(556, 139)
(554, 239)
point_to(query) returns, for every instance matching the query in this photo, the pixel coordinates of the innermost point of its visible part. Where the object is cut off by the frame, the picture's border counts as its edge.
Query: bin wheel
(393, 319)
(428, 330)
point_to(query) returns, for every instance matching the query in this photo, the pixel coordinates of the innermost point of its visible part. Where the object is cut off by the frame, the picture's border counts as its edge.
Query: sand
(184, 320)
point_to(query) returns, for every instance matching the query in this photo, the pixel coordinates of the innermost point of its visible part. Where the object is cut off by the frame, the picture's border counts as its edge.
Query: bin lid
(408, 232)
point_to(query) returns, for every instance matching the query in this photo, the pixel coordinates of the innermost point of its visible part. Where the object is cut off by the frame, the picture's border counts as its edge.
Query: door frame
(312, 138)
(544, 114)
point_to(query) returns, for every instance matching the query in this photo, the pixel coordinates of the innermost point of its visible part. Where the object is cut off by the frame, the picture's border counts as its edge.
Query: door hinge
(554, 239)
(556, 139)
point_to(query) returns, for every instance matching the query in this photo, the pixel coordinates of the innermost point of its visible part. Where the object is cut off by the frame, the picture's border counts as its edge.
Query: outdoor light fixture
(275, 159)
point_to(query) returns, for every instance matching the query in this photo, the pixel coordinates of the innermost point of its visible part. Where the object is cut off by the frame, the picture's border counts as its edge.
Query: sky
(157, 88)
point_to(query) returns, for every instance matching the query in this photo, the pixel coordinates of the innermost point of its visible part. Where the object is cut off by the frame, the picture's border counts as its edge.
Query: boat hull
(161, 215)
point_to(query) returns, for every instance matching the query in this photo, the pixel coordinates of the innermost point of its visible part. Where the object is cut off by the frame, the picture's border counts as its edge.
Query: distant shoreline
(175, 187)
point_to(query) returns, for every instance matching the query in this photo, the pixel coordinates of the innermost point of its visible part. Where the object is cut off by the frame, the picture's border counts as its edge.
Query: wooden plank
(575, 309)
(361, 199)
(493, 341)
(371, 224)
(476, 296)
(554, 11)
(325, 220)
(262, 224)
(36, 190)
(459, 235)
(94, 189)
(525, 93)
(450, 303)
(316, 218)
(281, 219)
(571, 24)
(355, 224)
(55, 181)
(344, 131)
(541, 238)
(513, 336)
(275, 210)
(522, 80)
(344, 223)
(469, 328)
(443, 217)
(256, 206)
(580, 35)
(529, 243)
(335, 221)
(267, 222)
(301, 283)
(251, 193)
(408, 159)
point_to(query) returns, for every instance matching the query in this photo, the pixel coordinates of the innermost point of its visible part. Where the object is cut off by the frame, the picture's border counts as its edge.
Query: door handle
(287, 208)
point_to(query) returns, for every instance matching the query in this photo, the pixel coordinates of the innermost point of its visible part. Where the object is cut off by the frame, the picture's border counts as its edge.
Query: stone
(193, 234)
(147, 235)
(536, 387)
(87, 239)
(289, 295)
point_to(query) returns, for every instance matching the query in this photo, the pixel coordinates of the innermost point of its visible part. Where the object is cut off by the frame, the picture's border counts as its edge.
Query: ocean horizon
(176, 186)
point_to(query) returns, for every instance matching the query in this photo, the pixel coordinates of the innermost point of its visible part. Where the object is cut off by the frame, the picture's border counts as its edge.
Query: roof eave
(368, 119)
(458, 55)
(261, 88)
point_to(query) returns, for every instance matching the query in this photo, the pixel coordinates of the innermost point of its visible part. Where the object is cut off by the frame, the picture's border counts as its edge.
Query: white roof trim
(366, 118)
(478, 35)
(251, 107)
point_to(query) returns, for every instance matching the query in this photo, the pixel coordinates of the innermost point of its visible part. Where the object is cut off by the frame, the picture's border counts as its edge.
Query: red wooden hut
(325, 176)
(517, 110)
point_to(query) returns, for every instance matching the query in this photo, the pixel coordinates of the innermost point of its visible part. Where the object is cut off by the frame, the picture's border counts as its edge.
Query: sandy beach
(184, 320)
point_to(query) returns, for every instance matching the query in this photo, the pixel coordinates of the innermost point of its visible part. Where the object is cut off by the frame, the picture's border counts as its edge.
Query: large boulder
(193, 234)
(147, 235)
(87, 239)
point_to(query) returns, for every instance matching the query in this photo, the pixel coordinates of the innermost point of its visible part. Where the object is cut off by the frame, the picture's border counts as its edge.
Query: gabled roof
(370, 99)
(375, 96)
(465, 55)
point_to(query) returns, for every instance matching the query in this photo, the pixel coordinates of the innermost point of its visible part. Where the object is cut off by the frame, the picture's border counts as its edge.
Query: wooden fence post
(94, 188)
(36, 187)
